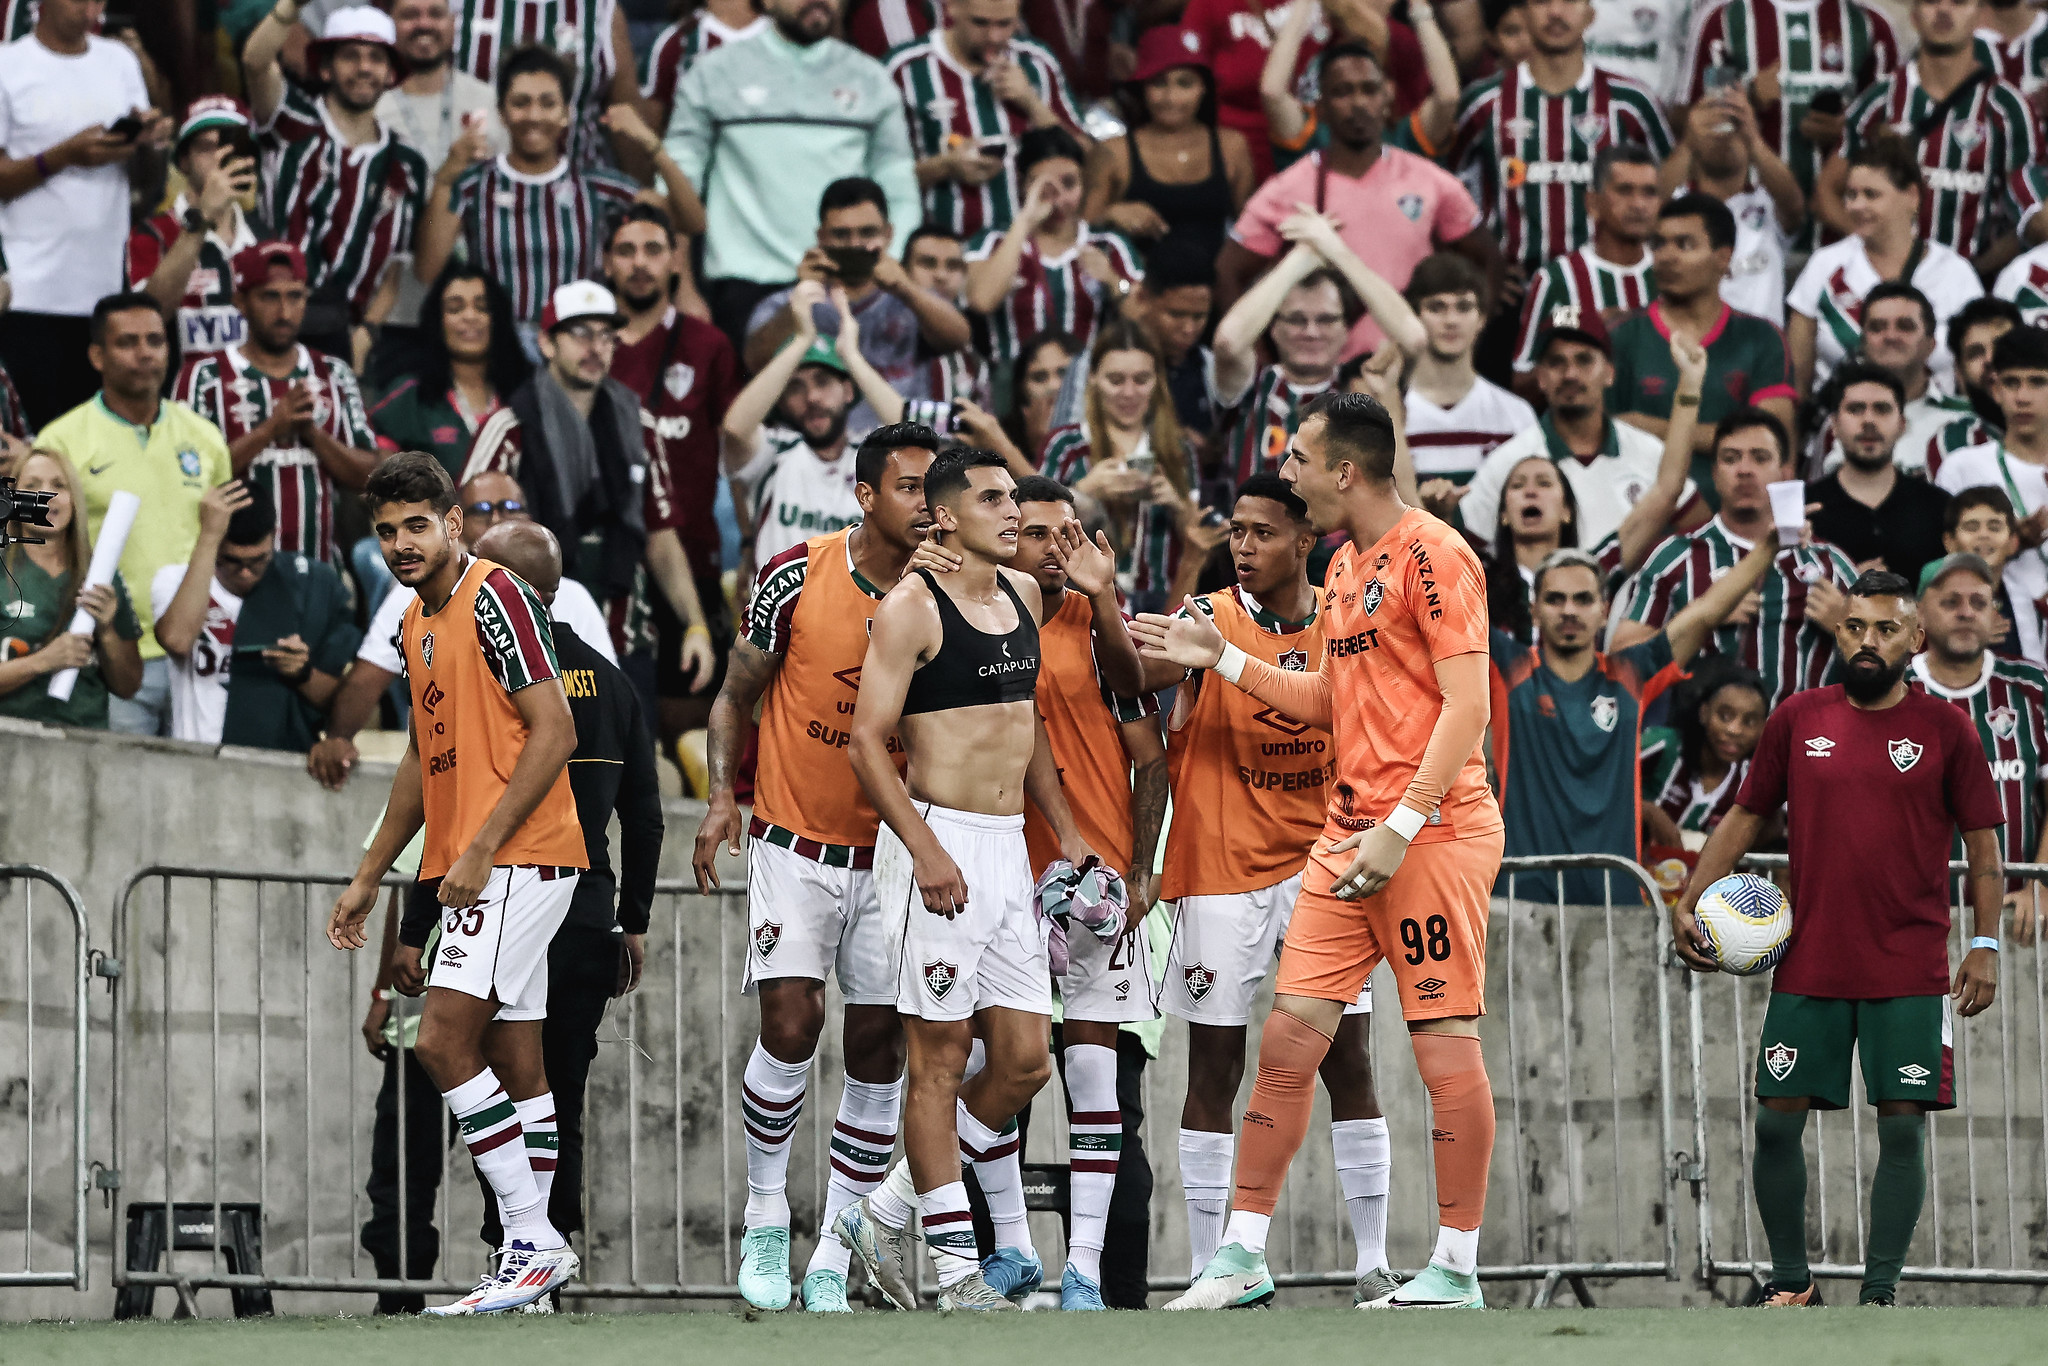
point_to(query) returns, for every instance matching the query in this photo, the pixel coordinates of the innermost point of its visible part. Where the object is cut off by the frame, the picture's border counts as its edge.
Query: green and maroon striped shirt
(1527, 156)
(537, 233)
(1974, 160)
(943, 101)
(1816, 45)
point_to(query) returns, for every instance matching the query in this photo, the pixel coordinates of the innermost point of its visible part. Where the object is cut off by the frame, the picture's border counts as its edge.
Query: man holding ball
(1876, 774)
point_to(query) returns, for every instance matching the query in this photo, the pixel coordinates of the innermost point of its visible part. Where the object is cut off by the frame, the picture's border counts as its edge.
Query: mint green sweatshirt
(762, 127)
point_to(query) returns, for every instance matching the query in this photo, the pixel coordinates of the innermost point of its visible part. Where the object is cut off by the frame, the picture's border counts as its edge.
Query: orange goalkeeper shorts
(1429, 923)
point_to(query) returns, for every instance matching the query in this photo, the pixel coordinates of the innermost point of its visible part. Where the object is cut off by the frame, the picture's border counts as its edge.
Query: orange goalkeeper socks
(1461, 1103)
(1276, 1121)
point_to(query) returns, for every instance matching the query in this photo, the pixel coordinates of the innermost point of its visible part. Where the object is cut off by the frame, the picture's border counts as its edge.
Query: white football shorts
(805, 919)
(500, 945)
(1223, 949)
(991, 954)
(1108, 983)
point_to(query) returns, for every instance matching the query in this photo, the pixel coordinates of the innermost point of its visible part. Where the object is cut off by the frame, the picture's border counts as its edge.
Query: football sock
(1457, 1249)
(1095, 1140)
(1778, 1173)
(771, 1098)
(537, 1122)
(1248, 1230)
(949, 1232)
(1277, 1119)
(1365, 1164)
(863, 1136)
(894, 1202)
(1000, 1173)
(1896, 1193)
(1461, 1110)
(1205, 1182)
(490, 1129)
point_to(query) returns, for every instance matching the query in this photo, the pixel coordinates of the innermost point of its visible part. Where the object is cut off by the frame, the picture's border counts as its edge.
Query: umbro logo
(1913, 1074)
(1819, 747)
(453, 954)
(1430, 984)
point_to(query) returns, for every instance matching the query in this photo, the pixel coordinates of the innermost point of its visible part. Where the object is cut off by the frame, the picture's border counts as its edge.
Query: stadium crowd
(648, 281)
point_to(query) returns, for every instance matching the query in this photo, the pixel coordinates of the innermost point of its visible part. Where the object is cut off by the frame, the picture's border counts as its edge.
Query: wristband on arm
(1405, 821)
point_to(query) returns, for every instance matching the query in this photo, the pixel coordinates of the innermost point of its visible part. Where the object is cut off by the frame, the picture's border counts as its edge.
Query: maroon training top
(1873, 799)
(685, 375)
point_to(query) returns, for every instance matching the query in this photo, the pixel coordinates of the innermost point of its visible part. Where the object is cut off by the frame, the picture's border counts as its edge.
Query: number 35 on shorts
(457, 920)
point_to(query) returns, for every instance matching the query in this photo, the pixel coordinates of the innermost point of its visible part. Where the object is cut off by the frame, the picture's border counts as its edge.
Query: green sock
(1779, 1175)
(1896, 1193)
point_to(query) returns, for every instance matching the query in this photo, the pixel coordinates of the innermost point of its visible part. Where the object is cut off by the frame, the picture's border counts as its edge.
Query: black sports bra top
(974, 668)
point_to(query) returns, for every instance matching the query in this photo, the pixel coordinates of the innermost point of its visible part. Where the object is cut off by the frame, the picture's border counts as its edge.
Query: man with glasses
(487, 500)
(293, 417)
(1300, 305)
(257, 638)
(597, 469)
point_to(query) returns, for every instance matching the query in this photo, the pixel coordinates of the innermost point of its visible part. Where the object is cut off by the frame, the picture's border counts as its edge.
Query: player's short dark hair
(1177, 263)
(1976, 313)
(127, 301)
(1493, 11)
(410, 477)
(1990, 497)
(1892, 155)
(255, 520)
(1037, 488)
(1337, 52)
(1901, 289)
(1046, 144)
(948, 474)
(1881, 583)
(1864, 372)
(1742, 419)
(1568, 557)
(1712, 213)
(1357, 426)
(850, 192)
(1620, 154)
(640, 212)
(1445, 272)
(533, 57)
(872, 457)
(921, 232)
(2023, 348)
(1270, 486)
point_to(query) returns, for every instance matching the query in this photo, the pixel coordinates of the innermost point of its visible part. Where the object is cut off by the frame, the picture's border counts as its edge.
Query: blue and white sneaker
(526, 1273)
(764, 1267)
(1079, 1292)
(1012, 1273)
(824, 1292)
(882, 1250)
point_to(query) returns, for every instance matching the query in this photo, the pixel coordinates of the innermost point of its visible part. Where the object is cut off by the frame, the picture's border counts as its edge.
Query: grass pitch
(1566, 1337)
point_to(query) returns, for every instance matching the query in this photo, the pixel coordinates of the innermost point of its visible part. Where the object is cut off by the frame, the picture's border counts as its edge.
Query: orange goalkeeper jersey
(1083, 723)
(1391, 613)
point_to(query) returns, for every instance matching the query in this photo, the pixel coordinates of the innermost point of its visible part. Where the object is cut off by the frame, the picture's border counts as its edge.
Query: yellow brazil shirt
(169, 465)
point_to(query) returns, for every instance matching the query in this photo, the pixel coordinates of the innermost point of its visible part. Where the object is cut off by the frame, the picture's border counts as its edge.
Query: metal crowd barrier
(241, 1076)
(52, 1184)
(1987, 1192)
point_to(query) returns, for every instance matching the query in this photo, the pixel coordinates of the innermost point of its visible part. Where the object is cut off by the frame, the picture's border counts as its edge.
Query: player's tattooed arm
(1148, 808)
(748, 673)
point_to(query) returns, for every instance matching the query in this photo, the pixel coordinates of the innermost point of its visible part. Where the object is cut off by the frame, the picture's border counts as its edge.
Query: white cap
(360, 24)
(577, 300)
